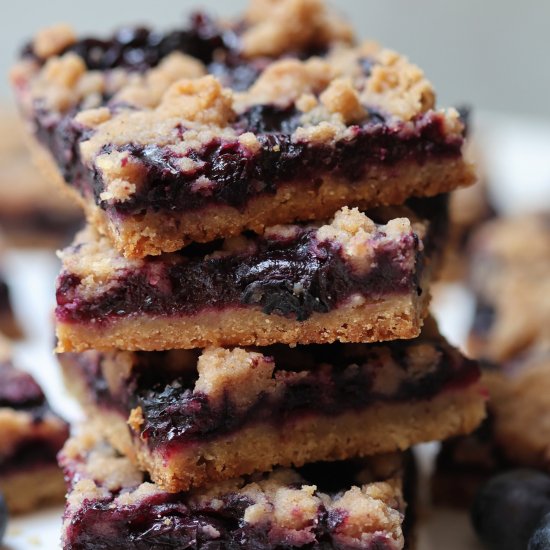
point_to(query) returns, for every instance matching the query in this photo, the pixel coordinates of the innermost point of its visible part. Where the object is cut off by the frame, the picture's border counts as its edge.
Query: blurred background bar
(492, 54)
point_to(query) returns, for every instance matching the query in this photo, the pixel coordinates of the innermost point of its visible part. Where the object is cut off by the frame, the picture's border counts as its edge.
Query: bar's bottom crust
(398, 317)
(380, 428)
(29, 489)
(315, 198)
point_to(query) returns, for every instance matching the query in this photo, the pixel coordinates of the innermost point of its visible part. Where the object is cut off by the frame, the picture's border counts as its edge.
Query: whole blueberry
(3, 517)
(508, 508)
(541, 537)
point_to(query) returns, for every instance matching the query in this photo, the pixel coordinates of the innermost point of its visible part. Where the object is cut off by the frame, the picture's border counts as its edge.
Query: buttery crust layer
(26, 490)
(398, 317)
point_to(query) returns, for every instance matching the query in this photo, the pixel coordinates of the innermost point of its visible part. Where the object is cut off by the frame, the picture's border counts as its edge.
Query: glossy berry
(541, 537)
(3, 517)
(508, 508)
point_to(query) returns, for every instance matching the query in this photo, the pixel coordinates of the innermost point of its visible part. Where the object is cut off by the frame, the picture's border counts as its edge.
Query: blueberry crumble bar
(192, 417)
(510, 276)
(516, 432)
(218, 128)
(349, 280)
(32, 212)
(343, 505)
(30, 437)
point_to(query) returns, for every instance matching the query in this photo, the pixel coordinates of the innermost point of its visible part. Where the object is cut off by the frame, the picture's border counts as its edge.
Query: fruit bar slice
(111, 504)
(30, 437)
(348, 280)
(515, 433)
(194, 417)
(510, 275)
(217, 128)
(32, 212)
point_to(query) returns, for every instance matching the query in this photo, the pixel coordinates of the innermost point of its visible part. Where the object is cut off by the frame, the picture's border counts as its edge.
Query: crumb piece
(322, 133)
(342, 98)
(147, 90)
(284, 81)
(398, 87)
(53, 40)
(64, 71)
(136, 420)
(278, 26)
(370, 509)
(250, 141)
(122, 175)
(296, 508)
(306, 103)
(354, 231)
(236, 373)
(93, 117)
(203, 100)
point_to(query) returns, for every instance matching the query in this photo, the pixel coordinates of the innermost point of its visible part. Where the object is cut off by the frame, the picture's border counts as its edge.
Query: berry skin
(509, 507)
(3, 517)
(541, 537)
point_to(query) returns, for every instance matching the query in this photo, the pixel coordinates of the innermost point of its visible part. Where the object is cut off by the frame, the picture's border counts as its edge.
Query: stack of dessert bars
(242, 317)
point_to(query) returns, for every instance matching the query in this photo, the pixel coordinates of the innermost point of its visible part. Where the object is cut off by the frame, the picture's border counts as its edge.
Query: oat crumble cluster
(244, 318)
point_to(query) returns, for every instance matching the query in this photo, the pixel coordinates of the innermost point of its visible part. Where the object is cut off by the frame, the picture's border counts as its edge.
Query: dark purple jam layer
(237, 175)
(339, 378)
(42, 222)
(18, 389)
(140, 49)
(168, 520)
(266, 278)
(30, 454)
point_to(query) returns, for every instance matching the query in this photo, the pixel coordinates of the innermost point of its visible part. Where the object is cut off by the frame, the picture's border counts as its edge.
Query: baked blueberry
(508, 508)
(541, 537)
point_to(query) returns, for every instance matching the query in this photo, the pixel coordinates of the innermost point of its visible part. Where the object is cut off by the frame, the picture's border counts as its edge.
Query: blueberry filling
(31, 453)
(237, 175)
(18, 390)
(173, 414)
(293, 278)
(174, 521)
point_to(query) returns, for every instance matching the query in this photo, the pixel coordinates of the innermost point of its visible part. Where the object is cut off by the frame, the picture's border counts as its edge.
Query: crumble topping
(53, 40)
(284, 81)
(278, 26)
(95, 262)
(373, 508)
(356, 233)
(241, 374)
(342, 98)
(398, 87)
(146, 90)
(202, 100)
(280, 502)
